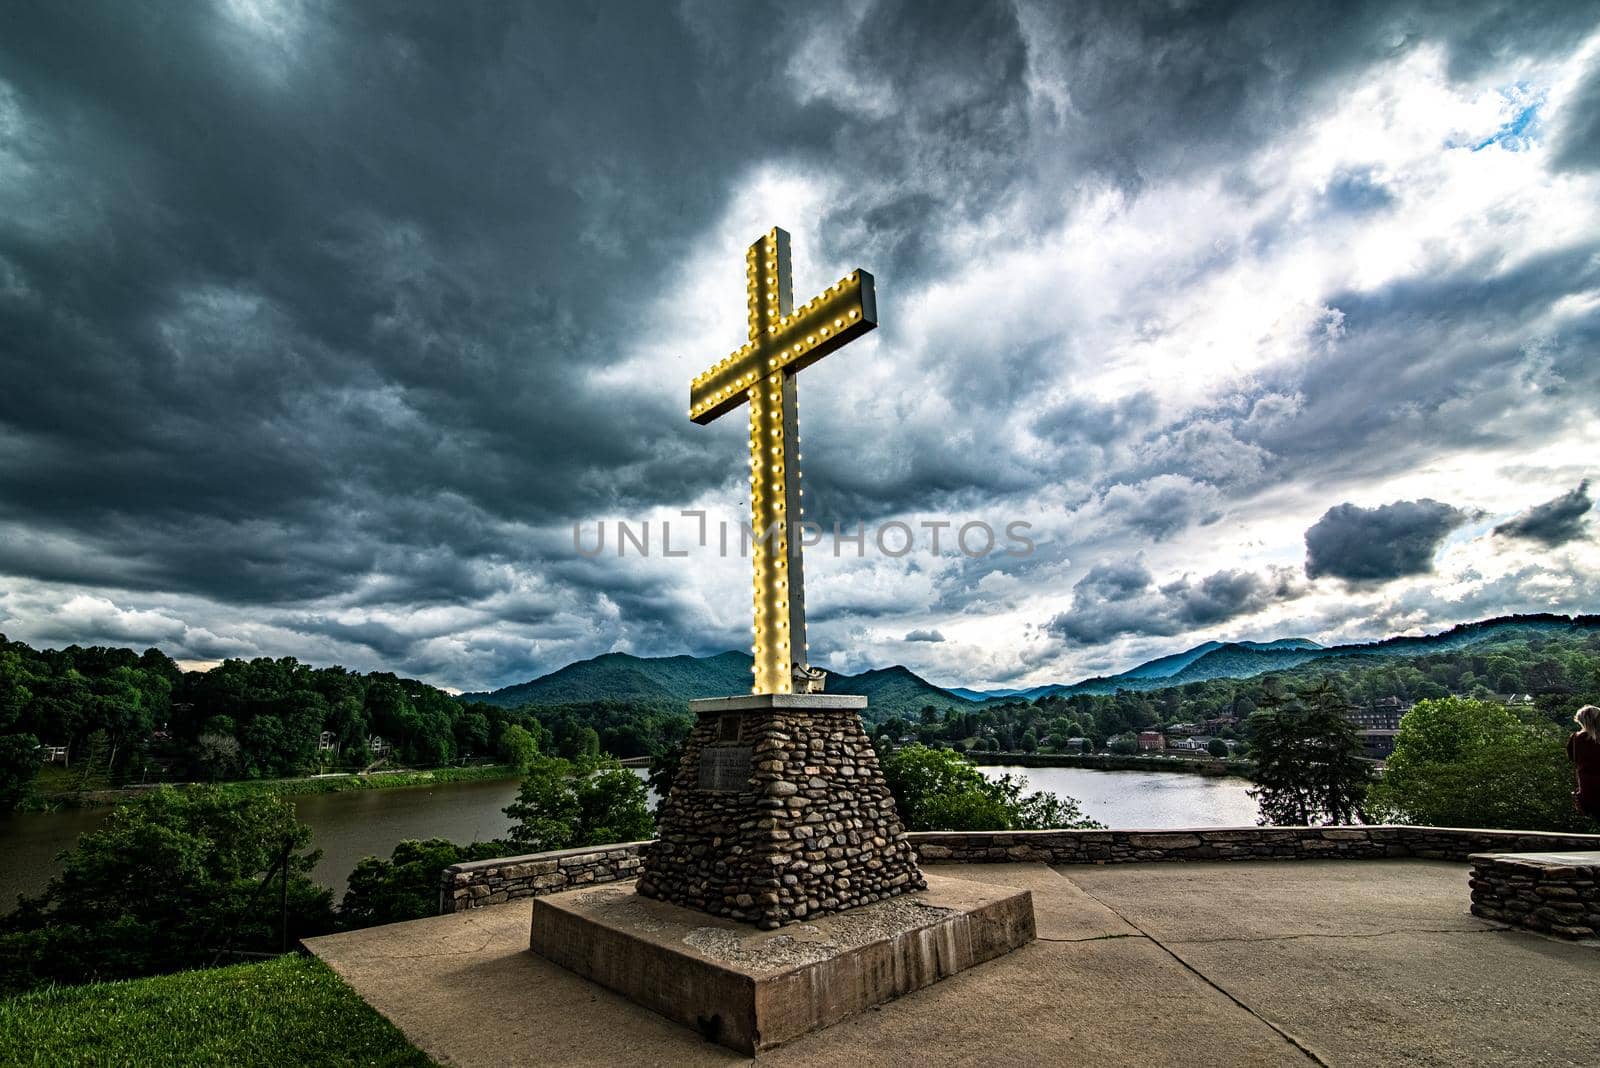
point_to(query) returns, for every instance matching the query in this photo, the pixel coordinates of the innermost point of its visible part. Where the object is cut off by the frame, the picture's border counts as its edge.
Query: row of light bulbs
(773, 362)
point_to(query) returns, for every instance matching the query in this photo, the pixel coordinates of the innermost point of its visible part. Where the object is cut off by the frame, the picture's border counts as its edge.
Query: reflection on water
(1146, 800)
(361, 823)
(370, 823)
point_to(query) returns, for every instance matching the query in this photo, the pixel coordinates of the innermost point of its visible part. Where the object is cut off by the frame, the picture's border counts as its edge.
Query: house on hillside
(1378, 744)
(377, 746)
(1152, 741)
(1384, 714)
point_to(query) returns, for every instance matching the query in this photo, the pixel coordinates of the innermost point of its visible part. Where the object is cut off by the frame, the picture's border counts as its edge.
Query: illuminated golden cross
(783, 340)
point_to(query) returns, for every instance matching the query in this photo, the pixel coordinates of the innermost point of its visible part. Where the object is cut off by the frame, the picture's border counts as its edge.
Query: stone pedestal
(750, 989)
(779, 813)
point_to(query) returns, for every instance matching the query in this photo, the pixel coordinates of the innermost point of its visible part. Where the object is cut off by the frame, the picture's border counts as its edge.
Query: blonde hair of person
(1588, 720)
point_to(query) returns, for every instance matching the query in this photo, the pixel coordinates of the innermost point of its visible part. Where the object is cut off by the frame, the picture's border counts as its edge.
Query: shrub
(172, 880)
(565, 803)
(1460, 762)
(940, 790)
(406, 886)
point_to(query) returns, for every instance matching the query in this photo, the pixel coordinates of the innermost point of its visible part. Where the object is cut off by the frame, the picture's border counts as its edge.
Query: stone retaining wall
(1542, 895)
(491, 882)
(1236, 843)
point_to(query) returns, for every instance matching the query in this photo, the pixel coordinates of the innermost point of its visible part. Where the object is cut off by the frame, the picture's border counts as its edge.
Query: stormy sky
(322, 325)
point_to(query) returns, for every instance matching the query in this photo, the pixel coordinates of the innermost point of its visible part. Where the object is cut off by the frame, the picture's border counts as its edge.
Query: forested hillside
(676, 680)
(1547, 673)
(116, 716)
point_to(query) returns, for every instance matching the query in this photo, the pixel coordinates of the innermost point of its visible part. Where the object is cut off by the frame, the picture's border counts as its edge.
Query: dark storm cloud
(1578, 144)
(1364, 545)
(1554, 522)
(309, 308)
(924, 636)
(285, 290)
(1122, 598)
(1358, 192)
(1424, 366)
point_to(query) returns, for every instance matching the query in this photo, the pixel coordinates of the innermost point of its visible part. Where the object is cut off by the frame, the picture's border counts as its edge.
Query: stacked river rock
(779, 811)
(1558, 893)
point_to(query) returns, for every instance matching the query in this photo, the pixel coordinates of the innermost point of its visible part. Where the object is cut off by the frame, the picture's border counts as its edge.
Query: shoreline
(318, 784)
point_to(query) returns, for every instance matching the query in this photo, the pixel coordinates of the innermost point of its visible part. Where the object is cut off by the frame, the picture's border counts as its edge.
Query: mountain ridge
(897, 690)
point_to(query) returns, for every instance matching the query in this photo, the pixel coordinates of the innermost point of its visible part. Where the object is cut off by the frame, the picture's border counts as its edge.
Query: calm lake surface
(361, 823)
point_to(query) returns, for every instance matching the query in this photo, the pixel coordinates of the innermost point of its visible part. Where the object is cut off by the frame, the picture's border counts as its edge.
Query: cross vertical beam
(782, 341)
(780, 618)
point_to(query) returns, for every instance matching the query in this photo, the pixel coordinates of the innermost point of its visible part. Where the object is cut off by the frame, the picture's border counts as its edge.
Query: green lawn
(292, 1010)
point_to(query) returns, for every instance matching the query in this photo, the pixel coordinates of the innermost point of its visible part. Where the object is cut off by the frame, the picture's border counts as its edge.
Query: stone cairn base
(779, 812)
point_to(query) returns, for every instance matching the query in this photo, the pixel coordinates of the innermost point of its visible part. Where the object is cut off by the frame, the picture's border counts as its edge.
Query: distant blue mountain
(983, 695)
(897, 691)
(1242, 660)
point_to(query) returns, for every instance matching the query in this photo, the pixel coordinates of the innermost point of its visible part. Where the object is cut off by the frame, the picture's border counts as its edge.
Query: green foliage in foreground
(173, 880)
(940, 790)
(1465, 763)
(590, 801)
(406, 886)
(287, 1011)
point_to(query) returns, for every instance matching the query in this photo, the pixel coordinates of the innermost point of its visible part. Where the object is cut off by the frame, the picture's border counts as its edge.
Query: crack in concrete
(1348, 934)
(1091, 938)
(1283, 1033)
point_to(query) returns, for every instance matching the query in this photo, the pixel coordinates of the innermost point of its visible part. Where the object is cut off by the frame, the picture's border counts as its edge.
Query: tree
(563, 804)
(663, 769)
(19, 763)
(518, 747)
(1459, 762)
(940, 790)
(1308, 759)
(1217, 748)
(172, 880)
(406, 886)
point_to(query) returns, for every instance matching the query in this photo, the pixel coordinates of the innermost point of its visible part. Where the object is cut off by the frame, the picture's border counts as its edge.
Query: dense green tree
(940, 790)
(1465, 763)
(563, 804)
(19, 763)
(172, 880)
(1309, 768)
(1217, 748)
(406, 886)
(518, 747)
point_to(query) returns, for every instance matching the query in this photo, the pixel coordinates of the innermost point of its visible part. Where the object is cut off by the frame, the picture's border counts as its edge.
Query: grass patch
(377, 780)
(59, 789)
(286, 1011)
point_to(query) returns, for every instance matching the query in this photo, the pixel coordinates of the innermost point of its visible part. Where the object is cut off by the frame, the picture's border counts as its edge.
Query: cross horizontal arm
(842, 313)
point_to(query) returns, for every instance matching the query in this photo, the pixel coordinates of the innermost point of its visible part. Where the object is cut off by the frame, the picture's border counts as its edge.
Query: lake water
(1147, 800)
(360, 823)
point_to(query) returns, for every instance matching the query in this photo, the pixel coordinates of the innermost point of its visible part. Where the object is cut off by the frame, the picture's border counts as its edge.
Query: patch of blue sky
(1521, 130)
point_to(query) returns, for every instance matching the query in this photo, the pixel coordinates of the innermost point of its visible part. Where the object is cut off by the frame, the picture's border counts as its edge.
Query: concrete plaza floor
(1293, 963)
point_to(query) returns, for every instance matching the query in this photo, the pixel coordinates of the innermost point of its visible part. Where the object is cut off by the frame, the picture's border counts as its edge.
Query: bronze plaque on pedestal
(725, 767)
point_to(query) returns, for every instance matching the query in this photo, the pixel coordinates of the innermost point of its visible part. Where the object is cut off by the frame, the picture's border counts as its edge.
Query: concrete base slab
(752, 990)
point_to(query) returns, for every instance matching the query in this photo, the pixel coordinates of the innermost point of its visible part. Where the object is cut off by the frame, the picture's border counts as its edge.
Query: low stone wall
(1236, 843)
(1540, 894)
(491, 882)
